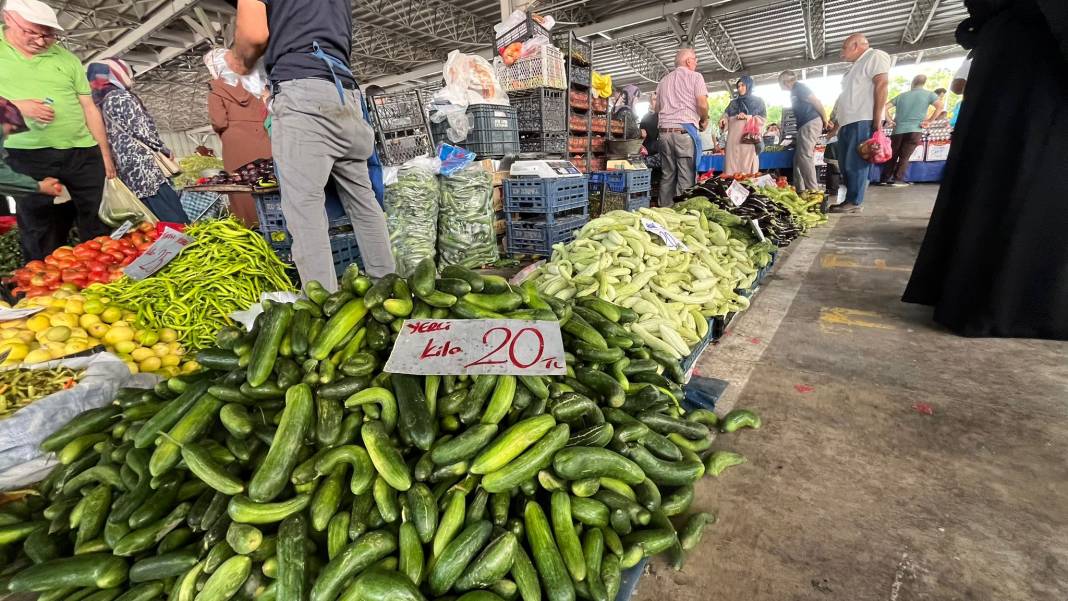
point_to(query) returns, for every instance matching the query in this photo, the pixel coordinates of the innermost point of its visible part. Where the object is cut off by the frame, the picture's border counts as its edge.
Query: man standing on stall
(318, 128)
(66, 137)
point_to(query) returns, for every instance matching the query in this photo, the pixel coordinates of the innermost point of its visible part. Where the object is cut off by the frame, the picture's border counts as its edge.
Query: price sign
(122, 230)
(163, 251)
(756, 229)
(662, 232)
(737, 193)
(764, 181)
(524, 273)
(10, 314)
(454, 347)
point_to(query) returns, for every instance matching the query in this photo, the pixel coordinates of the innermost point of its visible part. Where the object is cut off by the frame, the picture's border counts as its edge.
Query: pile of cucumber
(293, 468)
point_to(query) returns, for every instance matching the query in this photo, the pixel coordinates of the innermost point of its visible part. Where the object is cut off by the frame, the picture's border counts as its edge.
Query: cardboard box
(498, 198)
(500, 227)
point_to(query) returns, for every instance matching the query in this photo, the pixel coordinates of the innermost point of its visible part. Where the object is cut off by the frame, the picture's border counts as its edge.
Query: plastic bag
(255, 82)
(465, 219)
(602, 85)
(120, 204)
(876, 149)
(412, 214)
(469, 79)
(453, 158)
(21, 458)
(751, 132)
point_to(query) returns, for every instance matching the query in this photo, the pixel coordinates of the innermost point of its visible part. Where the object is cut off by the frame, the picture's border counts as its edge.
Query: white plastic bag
(119, 204)
(21, 459)
(469, 79)
(255, 82)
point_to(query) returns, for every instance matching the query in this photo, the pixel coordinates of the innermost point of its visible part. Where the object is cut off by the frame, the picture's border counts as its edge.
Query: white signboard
(122, 230)
(764, 181)
(737, 193)
(478, 346)
(163, 250)
(756, 229)
(669, 239)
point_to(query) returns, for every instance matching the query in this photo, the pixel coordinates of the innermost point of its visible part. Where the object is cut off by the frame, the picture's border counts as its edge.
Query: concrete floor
(897, 462)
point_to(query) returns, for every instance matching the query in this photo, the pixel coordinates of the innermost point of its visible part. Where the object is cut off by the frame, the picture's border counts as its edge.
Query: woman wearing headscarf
(742, 157)
(237, 115)
(13, 183)
(134, 139)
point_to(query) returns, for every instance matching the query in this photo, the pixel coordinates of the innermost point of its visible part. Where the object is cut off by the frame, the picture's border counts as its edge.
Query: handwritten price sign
(478, 346)
(162, 251)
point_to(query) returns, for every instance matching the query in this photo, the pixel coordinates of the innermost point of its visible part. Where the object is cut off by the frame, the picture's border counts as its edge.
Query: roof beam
(434, 18)
(676, 28)
(812, 11)
(721, 45)
(160, 17)
(643, 61)
(658, 13)
(919, 20)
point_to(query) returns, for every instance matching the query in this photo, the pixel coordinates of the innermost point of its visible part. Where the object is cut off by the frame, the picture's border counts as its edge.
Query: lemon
(177, 349)
(75, 307)
(98, 330)
(64, 319)
(111, 314)
(161, 349)
(38, 323)
(126, 347)
(58, 333)
(25, 336)
(85, 320)
(142, 353)
(8, 334)
(58, 303)
(93, 306)
(170, 360)
(77, 332)
(38, 356)
(121, 334)
(17, 350)
(168, 335)
(148, 337)
(190, 366)
(13, 324)
(75, 346)
(129, 316)
(150, 364)
(122, 323)
(68, 288)
(61, 294)
(133, 367)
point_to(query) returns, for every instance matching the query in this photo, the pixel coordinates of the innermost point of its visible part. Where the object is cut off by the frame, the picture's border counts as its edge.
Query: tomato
(117, 255)
(51, 260)
(33, 291)
(96, 266)
(146, 227)
(35, 265)
(70, 275)
(84, 252)
(63, 251)
(128, 260)
(93, 244)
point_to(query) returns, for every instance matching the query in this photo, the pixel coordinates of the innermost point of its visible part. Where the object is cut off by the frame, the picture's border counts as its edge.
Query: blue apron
(697, 150)
(374, 166)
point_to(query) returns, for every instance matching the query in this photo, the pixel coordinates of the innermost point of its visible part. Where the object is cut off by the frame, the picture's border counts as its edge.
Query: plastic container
(578, 143)
(273, 222)
(544, 69)
(396, 112)
(579, 99)
(578, 123)
(599, 105)
(579, 76)
(618, 201)
(535, 236)
(579, 51)
(543, 143)
(540, 110)
(494, 131)
(599, 124)
(632, 180)
(537, 195)
(521, 33)
(396, 148)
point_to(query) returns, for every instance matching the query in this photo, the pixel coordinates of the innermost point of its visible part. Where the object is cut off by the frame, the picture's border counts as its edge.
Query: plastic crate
(543, 143)
(401, 111)
(537, 236)
(579, 51)
(544, 69)
(600, 105)
(521, 33)
(579, 99)
(396, 148)
(633, 180)
(618, 201)
(578, 123)
(344, 251)
(494, 131)
(598, 144)
(537, 195)
(579, 76)
(272, 223)
(540, 110)
(578, 143)
(599, 124)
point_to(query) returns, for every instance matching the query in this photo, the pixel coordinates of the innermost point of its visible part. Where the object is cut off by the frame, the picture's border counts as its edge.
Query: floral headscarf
(108, 75)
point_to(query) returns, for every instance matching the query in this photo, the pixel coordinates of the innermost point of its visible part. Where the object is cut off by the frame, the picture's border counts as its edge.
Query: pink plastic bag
(877, 149)
(751, 132)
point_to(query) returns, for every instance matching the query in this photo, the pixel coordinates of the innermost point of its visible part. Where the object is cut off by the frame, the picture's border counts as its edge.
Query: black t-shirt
(295, 25)
(650, 123)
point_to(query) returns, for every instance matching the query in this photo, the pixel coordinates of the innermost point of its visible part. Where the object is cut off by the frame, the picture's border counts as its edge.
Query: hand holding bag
(876, 149)
(751, 133)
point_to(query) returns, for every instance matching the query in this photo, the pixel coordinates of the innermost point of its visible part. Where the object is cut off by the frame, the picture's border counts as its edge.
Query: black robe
(994, 261)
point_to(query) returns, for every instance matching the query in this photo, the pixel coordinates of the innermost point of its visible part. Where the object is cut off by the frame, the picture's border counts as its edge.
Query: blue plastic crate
(537, 236)
(632, 180)
(272, 223)
(537, 195)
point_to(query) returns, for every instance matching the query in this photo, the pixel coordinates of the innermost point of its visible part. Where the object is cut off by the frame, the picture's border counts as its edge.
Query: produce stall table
(783, 159)
(918, 172)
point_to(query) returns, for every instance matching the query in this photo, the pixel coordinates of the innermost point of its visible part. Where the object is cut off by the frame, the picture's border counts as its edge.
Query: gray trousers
(805, 155)
(313, 137)
(677, 167)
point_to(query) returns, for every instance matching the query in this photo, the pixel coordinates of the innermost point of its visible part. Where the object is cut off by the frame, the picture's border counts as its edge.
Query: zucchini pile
(293, 468)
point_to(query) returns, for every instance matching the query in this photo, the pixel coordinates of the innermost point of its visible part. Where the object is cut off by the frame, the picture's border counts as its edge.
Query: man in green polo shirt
(66, 139)
(909, 112)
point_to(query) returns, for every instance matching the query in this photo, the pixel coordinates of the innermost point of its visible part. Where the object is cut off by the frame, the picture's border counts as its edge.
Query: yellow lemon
(168, 335)
(171, 360)
(17, 350)
(93, 306)
(12, 324)
(8, 334)
(38, 356)
(170, 372)
(25, 336)
(177, 349)
(58, 333)
(38, 323)
(77, 332)
(133, 367)
(74, 306)
(75, 346)
(122, 323)
(150, 364)
(111, 314)
(140, 354)
(148, 337)
(116, 335)
(64, 319)
(61, 294)
(161, 349)
(41, 301)
(98, 330)
(78, 296)
(126, 347)
(58, 303)
(88, 319)
(190, 366)
(129, 316)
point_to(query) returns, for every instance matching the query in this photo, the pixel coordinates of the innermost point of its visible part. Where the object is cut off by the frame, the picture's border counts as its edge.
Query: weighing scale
(551, 169)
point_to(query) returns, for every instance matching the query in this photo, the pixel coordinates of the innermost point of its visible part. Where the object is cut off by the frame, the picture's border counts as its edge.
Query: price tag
(163, 251)
(737, 193)
(122, 230)
(478, 346)
(524, 273)
(756, 229)
(669, 239)
(10, 314)
(764, 181)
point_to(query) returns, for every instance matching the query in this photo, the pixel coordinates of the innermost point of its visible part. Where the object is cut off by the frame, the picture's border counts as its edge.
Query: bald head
(919, 81)
(854, 46)
(686, 57)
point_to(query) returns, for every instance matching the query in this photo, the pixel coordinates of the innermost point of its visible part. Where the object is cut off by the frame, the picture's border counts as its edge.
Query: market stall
(781, 159)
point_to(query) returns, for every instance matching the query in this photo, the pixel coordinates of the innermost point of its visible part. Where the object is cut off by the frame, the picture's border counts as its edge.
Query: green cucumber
(465, 445)
(492, 564)
(525, 576)
(410, 556)
(526, 466)
(511, 443)
(551, 567)
(226, 579)
(360, 555)
(246, 511)
(339, 325)
(452, 562)
(501, 400)
(379, 584)
(593, 552)
(273, 328)
(190, 427)
(576, 463)
(415, 420)
(273, 473)
(566, 538)
(423, 511)
(292, 558)
(96, 570)
(452, 520)
(161, 567)
(385, 456)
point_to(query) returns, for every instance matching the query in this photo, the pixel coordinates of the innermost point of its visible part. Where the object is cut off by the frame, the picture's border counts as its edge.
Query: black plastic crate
(579, 51)
(537, 195)
(521, 33)
(540, 110)
(543, 143)
(397, 112)
(344, 250)
(494, 131)
(395, 148)
(529, 235)
(579, 75)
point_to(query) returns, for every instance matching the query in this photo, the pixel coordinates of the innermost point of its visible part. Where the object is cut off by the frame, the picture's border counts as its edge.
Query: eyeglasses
(44, 37)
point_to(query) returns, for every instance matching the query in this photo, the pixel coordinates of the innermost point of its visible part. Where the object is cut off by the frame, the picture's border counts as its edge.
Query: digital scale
(544, 169)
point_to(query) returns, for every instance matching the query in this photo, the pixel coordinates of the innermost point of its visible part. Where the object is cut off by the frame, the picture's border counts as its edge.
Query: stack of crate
(272, 226)
(619, 190)
(579, 101)
(402, 131)
(542, 212)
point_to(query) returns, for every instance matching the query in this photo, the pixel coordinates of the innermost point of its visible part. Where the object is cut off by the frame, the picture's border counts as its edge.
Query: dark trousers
(903, 146)
(45, 226)
(166, 205)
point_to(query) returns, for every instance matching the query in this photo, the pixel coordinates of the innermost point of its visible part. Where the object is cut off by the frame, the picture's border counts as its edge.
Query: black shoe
(847, 208)
(882, 184)
(899, 184)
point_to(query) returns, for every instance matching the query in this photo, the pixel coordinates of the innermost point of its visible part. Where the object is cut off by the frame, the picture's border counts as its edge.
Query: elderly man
(811, 121)
(66, 138)
(682, 103)
(909, 113)
(860, 107)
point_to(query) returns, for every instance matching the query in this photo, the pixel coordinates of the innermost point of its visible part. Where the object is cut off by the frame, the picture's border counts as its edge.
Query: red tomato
(85, 252)
(51, 260)
(63, 251)
(37, 291)
(94, 243)
(96, 266)
(70, 275)
(128, 260)
(146, 227)
(35, 265)
(117, 255)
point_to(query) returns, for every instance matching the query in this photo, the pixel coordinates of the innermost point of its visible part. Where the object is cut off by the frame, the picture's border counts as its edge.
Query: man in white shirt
(860, 106)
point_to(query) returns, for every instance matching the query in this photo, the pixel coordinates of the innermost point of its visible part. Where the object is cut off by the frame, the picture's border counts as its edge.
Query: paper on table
(737, 193)
(168, 246)
(669, 239)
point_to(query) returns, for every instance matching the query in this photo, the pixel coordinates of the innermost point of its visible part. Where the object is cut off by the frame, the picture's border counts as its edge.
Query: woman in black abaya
(994, 261)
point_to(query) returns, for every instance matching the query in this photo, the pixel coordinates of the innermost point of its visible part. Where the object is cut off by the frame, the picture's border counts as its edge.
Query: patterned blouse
(127, 124)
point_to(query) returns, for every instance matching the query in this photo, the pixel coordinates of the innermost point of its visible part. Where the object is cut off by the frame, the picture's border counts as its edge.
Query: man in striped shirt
(682, 100)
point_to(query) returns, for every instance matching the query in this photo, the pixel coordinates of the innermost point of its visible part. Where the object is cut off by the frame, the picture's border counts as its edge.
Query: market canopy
(401, 43)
